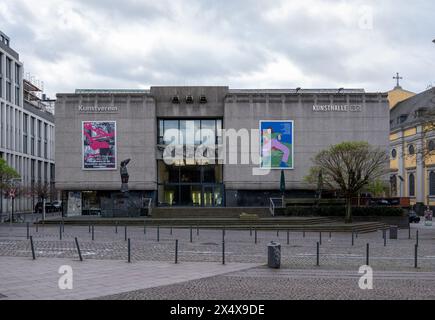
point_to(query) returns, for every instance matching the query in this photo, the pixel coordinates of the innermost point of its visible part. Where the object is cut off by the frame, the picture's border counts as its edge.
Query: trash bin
(274, 255)
(393, 232)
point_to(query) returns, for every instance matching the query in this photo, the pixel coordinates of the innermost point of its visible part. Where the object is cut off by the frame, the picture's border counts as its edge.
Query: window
(25, 121)
(8, 68)
(402, 118)
(411, 149)
(431, 145)
(193, 131)
(39, 137)
(394, 153)
(432, 183)
(8, 91)
(411, 185)
(393, 184)
(32, 136)
(17, 74)
(45, 140)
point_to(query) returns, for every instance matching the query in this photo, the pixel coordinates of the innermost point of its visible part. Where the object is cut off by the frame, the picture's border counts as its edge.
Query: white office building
(26, 129)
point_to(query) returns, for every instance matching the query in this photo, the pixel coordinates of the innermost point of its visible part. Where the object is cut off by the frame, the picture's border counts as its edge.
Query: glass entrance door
(212, 195)
(190, 185)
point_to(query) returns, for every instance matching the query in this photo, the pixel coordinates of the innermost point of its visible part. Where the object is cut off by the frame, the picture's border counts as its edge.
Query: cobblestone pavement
(336, 252)
(39, 279)
(262, 284)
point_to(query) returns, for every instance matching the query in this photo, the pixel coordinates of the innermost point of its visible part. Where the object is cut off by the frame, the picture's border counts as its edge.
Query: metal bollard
(223, 252)
(33, 248)
(353, 238)
(318, 254)
(288, 236)
(78, 249)
(129, 250)
(385, 237)
(223, 235)
(197, 230)
(37, 227)
(250, 231)
(416, 238)
(320, 238)
(367, 254)
(116, 227)
(158, 233)
(28, 231)
(409, 232)
(63, 227)
(60, 232)
(191, 237)
(125, 233)
(255, 232)
(416, 256)
(170, 232)
(277, 233)
(93, 236)
(176, 251)
(144, 228)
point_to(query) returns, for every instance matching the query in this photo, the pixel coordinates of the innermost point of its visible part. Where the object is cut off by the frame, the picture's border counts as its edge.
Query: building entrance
(197, 186)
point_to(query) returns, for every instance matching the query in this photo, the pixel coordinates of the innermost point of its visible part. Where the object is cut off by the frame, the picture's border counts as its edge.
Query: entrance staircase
(228, 218)
(215, 212)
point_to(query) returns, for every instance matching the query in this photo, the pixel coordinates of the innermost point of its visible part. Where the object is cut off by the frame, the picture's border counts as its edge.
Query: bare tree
(42, 191)
(349, 167)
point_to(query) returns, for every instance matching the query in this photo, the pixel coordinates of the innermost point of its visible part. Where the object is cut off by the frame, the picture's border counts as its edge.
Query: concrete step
(224, 212)
(308, 224)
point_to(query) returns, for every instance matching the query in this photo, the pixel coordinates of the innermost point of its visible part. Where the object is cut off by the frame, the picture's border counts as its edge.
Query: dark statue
(124, 176)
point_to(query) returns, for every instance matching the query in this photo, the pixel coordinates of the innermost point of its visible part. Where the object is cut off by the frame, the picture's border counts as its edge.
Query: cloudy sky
(73, 44)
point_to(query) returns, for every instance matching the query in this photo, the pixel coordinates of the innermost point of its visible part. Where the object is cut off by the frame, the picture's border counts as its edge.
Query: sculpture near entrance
(124, 176)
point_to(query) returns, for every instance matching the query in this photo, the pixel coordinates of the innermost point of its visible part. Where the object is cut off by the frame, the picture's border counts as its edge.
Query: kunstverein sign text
(98, 109)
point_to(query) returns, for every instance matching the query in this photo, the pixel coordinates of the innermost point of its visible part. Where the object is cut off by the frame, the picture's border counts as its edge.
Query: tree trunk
(348, 217)
(43, 209)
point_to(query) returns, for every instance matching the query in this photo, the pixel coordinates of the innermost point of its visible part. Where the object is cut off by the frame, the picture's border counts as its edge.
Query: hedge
(335, 211)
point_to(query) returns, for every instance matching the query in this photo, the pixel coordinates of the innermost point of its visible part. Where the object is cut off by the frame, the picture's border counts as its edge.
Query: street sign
(12, 193)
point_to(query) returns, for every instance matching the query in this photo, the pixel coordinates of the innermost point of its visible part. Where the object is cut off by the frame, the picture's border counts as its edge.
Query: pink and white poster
(99, 145)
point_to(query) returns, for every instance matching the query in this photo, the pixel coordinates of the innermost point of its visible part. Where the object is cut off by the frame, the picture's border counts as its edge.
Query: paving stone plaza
(200, 272)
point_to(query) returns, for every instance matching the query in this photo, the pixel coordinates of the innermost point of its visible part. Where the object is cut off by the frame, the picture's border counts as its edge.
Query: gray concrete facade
(365, 117)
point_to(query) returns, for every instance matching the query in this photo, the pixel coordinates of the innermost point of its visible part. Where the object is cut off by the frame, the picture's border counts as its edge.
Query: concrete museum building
(254, 134)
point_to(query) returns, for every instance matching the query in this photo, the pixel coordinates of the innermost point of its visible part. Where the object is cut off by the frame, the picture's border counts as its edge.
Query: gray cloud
(248, 43)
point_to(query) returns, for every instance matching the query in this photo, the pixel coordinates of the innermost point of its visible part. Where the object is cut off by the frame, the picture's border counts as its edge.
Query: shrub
(339, 211)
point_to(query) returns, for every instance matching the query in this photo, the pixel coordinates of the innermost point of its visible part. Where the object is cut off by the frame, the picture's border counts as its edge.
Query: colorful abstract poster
(276, 141)
(99, 145)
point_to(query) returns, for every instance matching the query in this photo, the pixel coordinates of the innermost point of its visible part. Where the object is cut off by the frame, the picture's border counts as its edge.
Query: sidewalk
(27, 279)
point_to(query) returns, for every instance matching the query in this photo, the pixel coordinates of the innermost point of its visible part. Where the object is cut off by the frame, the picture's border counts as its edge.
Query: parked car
(57, 205)
(413, 217)
(48, 207)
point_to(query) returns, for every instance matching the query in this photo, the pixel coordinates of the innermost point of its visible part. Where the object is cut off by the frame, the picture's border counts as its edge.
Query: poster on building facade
(74, 204)
(99, 145)
(276, 141)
